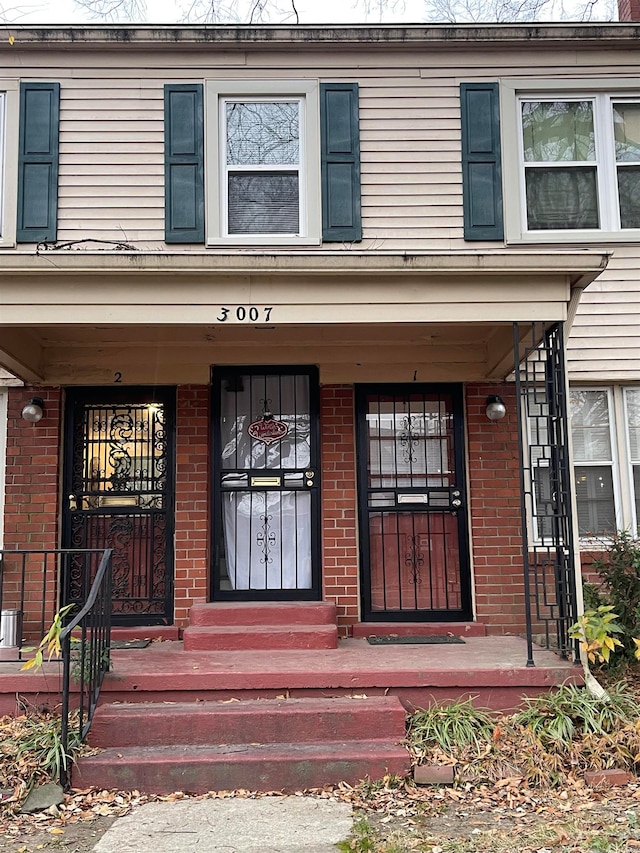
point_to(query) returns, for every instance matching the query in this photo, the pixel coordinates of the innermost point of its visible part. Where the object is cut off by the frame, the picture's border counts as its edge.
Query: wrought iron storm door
(119, 494)
(414, 549)
(266, 476)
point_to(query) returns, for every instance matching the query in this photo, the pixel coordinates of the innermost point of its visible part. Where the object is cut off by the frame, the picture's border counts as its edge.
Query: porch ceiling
(83, 318)
(177, 354)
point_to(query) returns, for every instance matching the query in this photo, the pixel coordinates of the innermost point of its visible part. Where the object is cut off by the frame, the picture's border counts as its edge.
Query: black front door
(119, 494)
(414, 548)
(266, 483)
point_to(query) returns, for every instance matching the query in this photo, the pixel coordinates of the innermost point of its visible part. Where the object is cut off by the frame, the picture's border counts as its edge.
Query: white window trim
(614, 462)
(511, 92)
(629, 493)
(8, 161)
(310, 190)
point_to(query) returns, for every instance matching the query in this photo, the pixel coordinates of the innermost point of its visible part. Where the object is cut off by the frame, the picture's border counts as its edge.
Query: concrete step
(257, 767)
(418, 629)
(265, 721)
(260, 637)
(263, 613)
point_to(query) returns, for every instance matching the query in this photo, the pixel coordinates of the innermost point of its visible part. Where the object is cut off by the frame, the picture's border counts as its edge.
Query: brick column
(339, 503)
(32, 471)
(31, 520)
(192, 517)
(494, 494)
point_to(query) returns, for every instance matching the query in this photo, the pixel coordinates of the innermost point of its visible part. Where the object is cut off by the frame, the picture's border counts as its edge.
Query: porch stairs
(258, 744)
(268, 625)
(258, 696)
(255, 744)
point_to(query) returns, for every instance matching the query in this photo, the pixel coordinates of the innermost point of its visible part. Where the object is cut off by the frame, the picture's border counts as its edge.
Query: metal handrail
(93, 659)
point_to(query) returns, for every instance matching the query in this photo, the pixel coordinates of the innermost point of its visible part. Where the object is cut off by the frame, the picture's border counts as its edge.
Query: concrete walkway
(264, 825)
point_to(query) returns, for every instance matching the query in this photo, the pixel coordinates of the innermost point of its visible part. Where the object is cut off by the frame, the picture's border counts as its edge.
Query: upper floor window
(263, 162)
(572, 150)
(8, 160)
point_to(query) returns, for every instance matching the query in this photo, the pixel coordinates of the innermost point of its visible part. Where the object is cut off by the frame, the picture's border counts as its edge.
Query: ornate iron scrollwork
(266, 539)
(414, 559)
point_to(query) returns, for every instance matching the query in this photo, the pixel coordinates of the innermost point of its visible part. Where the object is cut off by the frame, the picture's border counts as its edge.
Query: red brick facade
(32, 491)
(31, 500)
(339, 506)
(192, 525)
(496, 529)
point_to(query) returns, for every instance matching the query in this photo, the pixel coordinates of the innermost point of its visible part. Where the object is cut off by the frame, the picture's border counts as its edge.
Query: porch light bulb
(496, 408)
(34, 410)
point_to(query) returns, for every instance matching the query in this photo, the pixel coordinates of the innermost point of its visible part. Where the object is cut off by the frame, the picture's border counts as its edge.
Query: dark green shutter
(340, 162)
(184, 163)
(38, 162)
(481, 164)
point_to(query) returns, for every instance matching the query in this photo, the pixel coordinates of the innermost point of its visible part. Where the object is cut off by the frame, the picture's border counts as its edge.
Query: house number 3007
(244, 313)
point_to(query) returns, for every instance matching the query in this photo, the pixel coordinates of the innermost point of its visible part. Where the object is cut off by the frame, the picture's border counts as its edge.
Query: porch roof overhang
(76, 317)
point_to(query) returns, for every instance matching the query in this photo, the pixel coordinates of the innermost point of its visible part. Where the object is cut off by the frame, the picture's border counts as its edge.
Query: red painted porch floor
(493, 669)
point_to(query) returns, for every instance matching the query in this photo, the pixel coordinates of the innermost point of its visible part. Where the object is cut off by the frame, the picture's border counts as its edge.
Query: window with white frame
(3, 110)
(8, 160)
(573, 151)
(632, 417)
(263, 163)
(593, 439)
(605, 429)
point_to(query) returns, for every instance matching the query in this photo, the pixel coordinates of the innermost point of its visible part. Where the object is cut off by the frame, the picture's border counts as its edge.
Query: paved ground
(265, 825)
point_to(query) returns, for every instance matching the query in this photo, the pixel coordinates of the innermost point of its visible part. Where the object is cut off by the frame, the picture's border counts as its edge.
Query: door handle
(73, 502)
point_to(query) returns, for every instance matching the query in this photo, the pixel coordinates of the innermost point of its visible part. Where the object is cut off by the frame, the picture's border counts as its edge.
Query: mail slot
(413, 499)
(266, 481)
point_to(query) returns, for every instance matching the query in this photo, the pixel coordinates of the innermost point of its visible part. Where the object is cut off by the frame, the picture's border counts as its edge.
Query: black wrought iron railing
(545, 487)
(85, 643)
(34, 585)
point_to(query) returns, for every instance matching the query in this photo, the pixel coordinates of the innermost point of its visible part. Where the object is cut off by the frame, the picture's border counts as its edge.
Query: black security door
(119, 494)
(266, 479)
(414, 546)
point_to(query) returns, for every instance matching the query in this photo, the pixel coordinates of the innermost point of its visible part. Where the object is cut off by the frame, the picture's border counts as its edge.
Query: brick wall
(192, 500)
(339, 534)
(494, 496)
(629, 10)
(31, 501)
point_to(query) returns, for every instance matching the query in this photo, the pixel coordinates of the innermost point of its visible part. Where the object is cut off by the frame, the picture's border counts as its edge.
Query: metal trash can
(9, 628)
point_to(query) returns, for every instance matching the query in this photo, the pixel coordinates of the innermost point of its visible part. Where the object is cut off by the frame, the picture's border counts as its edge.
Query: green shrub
(619, 571)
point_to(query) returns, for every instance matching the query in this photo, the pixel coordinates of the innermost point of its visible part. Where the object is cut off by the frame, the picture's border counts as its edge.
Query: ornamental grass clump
(452, 728)
(31, 750)
(544, 744)
(558, 718)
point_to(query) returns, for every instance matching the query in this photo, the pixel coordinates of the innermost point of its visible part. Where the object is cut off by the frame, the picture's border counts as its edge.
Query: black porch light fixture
(496, 408)
(34, 410)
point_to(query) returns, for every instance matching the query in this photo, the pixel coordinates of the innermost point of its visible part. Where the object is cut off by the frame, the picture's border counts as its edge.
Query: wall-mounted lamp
(496, 408)
(34, 410)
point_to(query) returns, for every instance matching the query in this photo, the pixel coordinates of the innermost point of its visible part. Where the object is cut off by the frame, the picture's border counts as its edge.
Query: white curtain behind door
(267, 532)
